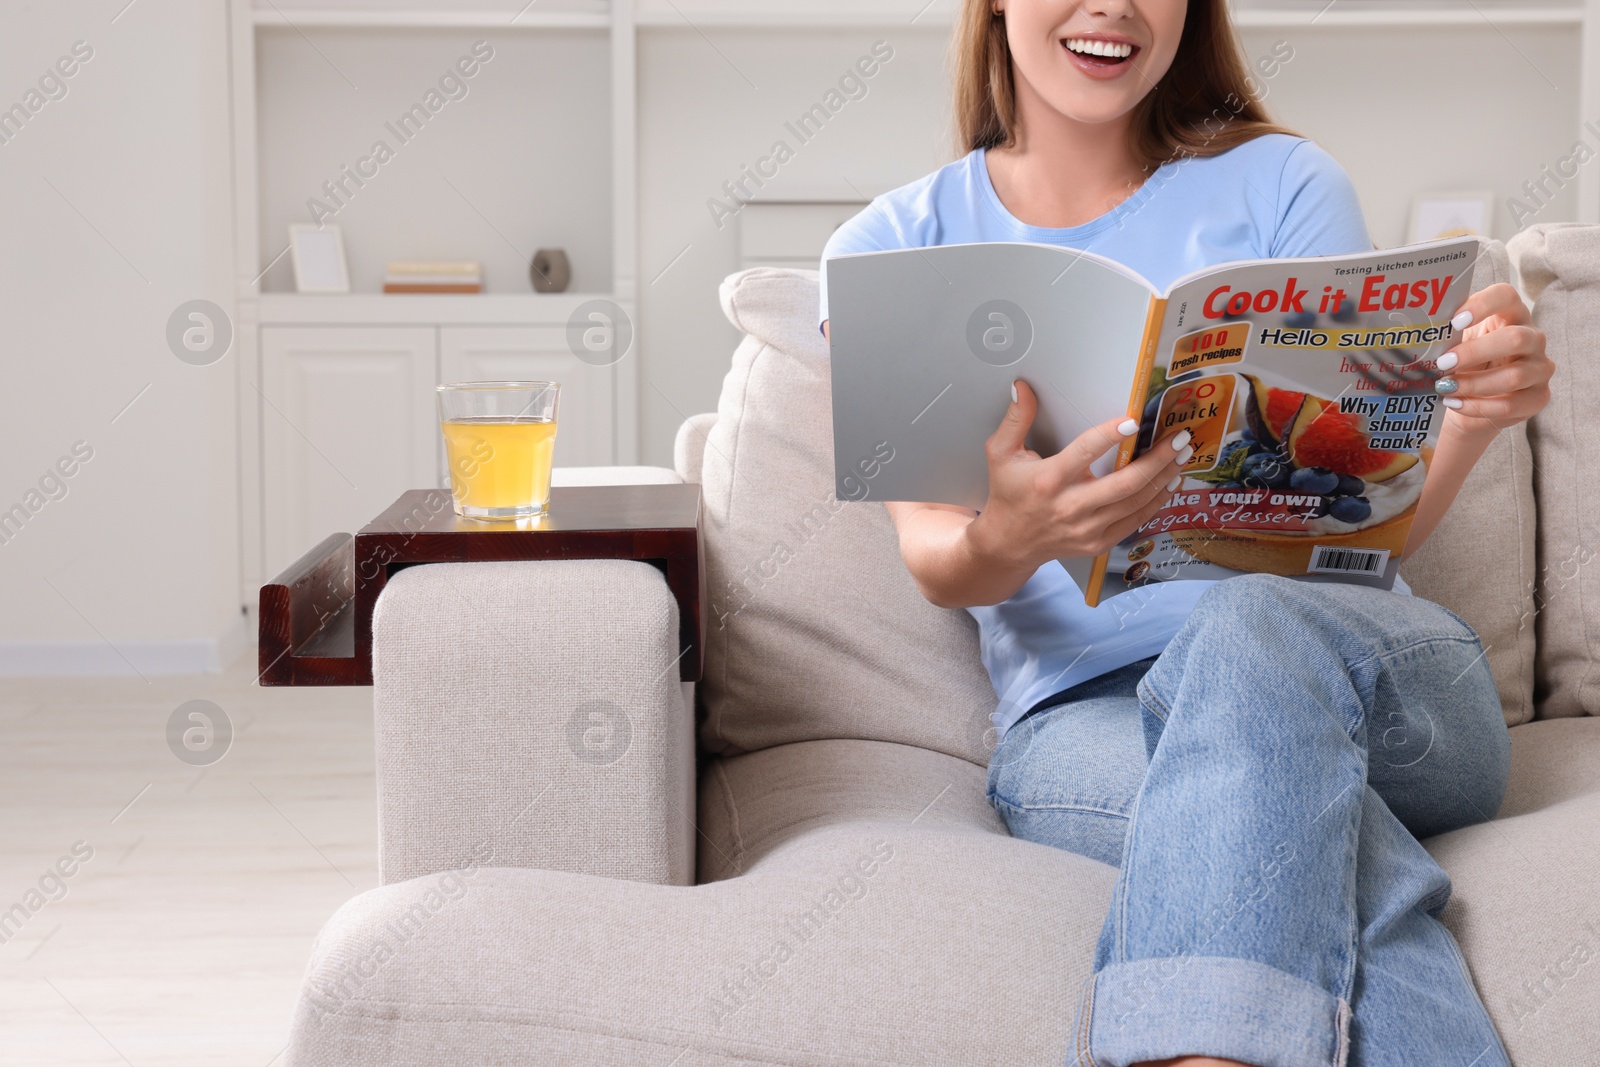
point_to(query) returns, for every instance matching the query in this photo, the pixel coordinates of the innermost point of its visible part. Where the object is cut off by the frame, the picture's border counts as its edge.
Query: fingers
(1010, 437)
(1511, 377)
(1501, 299)
(1506, 343)
(1505, 409)
(1121, 492)
(1134, 510)
(1074, 460)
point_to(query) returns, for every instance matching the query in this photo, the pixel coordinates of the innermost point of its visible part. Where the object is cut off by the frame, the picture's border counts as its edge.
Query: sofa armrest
(613, 476)
(528, 714)
(689, 446)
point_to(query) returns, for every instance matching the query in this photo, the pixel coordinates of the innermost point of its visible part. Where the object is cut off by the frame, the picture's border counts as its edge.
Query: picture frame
(318, 254)
(1451, 214)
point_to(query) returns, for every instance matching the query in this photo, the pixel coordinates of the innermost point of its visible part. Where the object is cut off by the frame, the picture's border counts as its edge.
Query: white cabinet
(349, 421)
(347, 424)
(585, 430)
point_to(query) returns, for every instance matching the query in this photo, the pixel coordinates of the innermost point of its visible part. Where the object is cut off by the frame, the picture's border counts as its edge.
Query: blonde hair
(1203, 106)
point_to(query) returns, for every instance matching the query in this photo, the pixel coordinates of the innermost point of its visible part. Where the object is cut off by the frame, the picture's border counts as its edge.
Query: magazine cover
(1307, 385)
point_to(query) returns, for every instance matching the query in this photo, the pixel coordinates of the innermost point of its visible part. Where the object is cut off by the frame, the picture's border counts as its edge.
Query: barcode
(1326, 559)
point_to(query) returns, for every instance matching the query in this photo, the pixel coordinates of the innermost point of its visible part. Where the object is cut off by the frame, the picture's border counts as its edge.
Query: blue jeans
(1262, 785)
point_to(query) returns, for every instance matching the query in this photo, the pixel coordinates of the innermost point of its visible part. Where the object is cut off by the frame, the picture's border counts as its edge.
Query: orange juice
(499, 466)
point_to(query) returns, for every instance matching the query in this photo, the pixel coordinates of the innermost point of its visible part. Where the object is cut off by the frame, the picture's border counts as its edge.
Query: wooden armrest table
(315, 618)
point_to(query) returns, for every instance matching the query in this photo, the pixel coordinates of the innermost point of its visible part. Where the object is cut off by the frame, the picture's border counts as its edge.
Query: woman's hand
(1044, 508)
(1038, 509)
(1502, 376)
(1500, 368)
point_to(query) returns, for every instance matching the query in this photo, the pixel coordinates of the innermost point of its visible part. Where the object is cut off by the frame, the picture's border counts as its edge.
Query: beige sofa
(813, 876)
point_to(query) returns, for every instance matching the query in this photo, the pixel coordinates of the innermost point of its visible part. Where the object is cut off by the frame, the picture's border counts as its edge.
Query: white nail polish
(1448, 360)
(1182, 439)
(1452, 402)
(1177, 480)
(1461, 321)
(1127, 427)
(1013, 392)
(1185, 456)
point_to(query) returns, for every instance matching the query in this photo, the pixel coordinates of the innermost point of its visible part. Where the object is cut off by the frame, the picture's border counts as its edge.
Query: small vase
(550, 271)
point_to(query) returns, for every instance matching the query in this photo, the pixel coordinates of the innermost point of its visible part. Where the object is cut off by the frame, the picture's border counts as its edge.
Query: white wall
(711, 104)
(1436, 108)
(1404, 110)
(117, 210)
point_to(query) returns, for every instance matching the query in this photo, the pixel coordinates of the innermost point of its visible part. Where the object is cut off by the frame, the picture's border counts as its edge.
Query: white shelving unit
(442, 18)
(330, 430)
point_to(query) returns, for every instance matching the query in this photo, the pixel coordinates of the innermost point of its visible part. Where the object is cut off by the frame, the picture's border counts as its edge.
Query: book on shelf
(433, 276)
(1307, 386)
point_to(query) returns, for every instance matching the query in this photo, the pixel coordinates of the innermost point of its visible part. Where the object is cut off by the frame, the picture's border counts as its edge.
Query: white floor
(183, 939)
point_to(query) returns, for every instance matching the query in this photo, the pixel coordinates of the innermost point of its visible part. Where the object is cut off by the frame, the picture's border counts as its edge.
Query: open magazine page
(1308, 387)
(926, 341)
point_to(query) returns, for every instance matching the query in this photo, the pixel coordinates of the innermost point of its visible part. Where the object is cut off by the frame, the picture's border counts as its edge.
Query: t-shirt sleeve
(871, 229)
(1319, 213)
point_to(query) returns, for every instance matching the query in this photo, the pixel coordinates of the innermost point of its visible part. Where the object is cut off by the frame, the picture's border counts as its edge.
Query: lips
(1099, 56)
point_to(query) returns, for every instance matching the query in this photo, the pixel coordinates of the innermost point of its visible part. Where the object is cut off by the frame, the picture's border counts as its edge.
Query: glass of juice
(499, 441)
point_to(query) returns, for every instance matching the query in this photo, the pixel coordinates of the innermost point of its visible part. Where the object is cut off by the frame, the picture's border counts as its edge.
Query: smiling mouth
(1101, 53)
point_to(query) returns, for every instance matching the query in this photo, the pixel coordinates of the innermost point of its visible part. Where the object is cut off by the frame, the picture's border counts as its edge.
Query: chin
(1090, 109)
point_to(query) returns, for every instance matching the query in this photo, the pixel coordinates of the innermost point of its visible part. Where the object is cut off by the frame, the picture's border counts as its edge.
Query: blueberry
(1350, 509)
(1350, 485)
(1266, 469)
(1301, 320)
(1319, 480)
(1259, 449)
(1323, 505)
(1247, 436)
(1229, 449)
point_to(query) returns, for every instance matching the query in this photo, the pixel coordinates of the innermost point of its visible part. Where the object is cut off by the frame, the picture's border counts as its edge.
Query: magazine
(1307, 385)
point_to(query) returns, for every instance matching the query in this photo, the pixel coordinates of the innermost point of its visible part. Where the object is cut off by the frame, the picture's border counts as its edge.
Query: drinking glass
(499, 441)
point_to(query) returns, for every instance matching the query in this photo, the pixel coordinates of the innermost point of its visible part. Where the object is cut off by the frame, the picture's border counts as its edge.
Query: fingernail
(1127, 427)
(1462, 321)
(1452, 402)
(1177, 480)
(1182, 439)
(1448, 360)
(1013, 392)
(1446, 385)
(1184, 456)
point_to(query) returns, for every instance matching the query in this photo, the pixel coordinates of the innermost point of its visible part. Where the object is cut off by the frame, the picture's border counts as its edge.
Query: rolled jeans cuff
(1208, 1006)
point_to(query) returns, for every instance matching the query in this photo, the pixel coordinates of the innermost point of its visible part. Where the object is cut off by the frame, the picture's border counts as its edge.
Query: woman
(1274, 906)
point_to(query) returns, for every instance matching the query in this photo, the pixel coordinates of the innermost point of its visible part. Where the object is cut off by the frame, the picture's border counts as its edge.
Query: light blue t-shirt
(1273, 197)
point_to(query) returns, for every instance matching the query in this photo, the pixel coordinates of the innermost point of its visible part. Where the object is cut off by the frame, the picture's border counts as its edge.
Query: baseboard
(85, 658)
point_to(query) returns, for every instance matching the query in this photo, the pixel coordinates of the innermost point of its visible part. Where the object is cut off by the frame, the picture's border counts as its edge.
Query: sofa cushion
(1524, 907)
(905, 934)
(816, 629)
(885, 940)
(1479, 561)
(754, 805)
(1559, 268)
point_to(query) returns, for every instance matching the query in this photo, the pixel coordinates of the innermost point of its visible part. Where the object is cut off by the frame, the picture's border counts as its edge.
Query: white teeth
(1109, 49)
